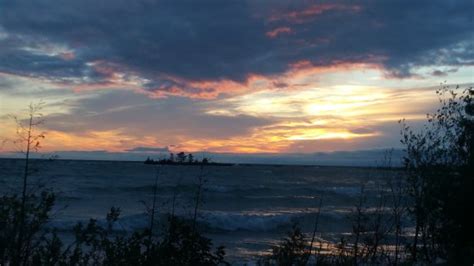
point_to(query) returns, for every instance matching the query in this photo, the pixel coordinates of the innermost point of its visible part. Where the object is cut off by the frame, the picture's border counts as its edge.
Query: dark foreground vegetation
(433, 196)
(95, 244)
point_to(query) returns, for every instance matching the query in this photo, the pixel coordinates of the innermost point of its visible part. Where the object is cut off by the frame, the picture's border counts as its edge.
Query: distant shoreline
(214, 164)
(190, 164)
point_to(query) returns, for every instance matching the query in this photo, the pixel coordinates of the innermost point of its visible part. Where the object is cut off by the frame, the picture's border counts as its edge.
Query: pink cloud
(304, 15)
(68, 56)
(278, 31)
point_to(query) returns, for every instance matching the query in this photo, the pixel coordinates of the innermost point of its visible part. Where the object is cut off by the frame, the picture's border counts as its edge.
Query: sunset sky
(229, 76)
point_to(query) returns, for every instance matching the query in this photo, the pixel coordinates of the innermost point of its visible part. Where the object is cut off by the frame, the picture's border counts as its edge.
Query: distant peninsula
(183, 159)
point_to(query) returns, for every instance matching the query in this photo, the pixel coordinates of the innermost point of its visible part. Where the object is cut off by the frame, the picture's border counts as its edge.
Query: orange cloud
(299, 75)
(211, 89)
(330, 116)
(349, 108)
(309, 13)
(68, 56)
(278, 31)
(272, 139)
(110, 140)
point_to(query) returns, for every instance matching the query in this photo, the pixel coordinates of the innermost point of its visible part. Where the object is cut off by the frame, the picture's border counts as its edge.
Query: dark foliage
(293, 250)
(17, 244)
(439, 165)
(95, 244)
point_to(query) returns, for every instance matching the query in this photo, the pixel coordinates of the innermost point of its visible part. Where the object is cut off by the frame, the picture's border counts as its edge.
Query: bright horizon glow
(336, 113)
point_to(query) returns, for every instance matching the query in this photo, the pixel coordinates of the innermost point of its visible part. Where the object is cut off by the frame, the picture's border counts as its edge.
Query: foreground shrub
(439, 163)
(292, 250)
(93, 243)
(18, 242)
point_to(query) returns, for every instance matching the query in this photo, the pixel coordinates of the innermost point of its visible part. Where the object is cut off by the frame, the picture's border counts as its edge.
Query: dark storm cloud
(440, 73)
(30, 65)
(35, 56)
(399, 34)
(206, 40)
(215, 40)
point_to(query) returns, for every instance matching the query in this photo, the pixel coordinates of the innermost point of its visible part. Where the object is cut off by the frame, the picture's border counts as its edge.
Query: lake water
(246, 208)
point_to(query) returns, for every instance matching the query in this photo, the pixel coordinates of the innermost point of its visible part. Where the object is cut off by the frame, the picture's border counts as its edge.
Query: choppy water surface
(245, 208)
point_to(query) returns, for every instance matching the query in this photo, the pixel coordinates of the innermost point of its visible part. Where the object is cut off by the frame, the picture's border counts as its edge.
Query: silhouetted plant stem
(175, 193)
(397, 192)
(397, 212)
(378, 228)
(198, 196)
(320, 247)
(173, 206)
(315, 229)
(358, 227)
(26, 137)
(418, 224)
(153, 209)
(23, 194)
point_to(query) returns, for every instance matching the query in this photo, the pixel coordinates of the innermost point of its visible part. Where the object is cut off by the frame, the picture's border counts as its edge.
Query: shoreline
(213, 164)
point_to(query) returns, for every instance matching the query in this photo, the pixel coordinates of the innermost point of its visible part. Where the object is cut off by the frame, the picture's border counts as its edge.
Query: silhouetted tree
(181, 157)
(439, 165)
(28, 140)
